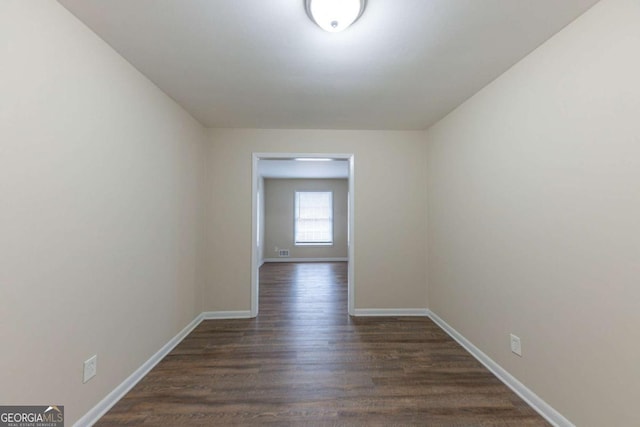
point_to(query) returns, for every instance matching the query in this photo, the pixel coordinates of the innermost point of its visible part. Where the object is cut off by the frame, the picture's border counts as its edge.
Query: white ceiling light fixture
(334, 15)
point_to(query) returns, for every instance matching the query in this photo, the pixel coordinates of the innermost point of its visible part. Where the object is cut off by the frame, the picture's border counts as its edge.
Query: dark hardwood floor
(304, 361)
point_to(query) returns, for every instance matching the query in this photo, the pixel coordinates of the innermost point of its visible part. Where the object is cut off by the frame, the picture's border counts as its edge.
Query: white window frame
(295, 220)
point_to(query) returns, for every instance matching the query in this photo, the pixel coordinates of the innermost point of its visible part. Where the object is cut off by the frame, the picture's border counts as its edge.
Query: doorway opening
(307, 162)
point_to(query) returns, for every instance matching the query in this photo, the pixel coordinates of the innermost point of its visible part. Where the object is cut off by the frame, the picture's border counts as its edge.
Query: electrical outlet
(516, 345)
(90, 368)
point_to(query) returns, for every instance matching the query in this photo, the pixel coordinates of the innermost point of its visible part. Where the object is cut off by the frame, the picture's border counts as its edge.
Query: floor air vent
(283, 252)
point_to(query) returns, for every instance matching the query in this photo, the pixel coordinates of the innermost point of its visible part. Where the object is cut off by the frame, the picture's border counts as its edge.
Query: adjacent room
(240, 212)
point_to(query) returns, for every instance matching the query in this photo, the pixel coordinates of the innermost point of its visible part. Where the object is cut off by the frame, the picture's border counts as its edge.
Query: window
(313, 218)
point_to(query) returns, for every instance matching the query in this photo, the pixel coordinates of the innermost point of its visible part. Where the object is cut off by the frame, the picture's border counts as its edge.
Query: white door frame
(255, 177)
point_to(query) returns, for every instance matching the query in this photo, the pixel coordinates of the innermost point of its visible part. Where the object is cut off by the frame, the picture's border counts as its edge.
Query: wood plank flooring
(304, 361)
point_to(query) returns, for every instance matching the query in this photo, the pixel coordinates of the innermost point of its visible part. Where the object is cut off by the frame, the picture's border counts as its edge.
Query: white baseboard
(91, 417)
(287, 259)
(390, 312)
(218, 315)
(539, 405)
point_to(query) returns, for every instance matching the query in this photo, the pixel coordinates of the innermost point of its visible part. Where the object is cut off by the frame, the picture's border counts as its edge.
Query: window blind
(313, 217)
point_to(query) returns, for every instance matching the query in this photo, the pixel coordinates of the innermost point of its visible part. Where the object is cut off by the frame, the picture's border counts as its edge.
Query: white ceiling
(264, 64)
(303, 169)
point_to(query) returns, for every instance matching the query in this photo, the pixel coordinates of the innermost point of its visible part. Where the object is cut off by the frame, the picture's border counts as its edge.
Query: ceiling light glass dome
(334, 15)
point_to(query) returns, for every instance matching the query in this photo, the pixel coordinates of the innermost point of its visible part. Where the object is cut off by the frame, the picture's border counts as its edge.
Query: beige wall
(534, 218)
(389, 212)
(101, 209)
(279, 198)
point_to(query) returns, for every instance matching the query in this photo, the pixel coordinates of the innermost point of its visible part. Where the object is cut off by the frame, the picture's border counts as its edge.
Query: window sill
(313, 244)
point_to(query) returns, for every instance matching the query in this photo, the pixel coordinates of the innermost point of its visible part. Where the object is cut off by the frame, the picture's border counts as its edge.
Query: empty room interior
(416, 212)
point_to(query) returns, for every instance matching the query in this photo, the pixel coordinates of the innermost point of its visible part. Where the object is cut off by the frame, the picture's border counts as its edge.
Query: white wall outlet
(90, 368)
(516, 345)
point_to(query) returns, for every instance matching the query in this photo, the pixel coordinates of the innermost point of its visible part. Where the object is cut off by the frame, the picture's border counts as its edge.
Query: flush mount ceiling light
(334, 15)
